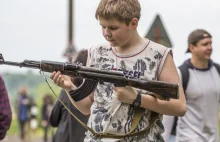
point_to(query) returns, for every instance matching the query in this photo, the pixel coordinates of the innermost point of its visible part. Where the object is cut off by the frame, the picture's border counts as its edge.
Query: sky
(38, 29)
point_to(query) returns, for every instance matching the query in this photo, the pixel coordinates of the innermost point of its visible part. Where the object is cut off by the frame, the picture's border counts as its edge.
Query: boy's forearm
(83, 105)
(171, 107)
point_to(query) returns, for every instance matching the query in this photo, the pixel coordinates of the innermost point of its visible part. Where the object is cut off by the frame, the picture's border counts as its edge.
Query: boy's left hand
(125, 94)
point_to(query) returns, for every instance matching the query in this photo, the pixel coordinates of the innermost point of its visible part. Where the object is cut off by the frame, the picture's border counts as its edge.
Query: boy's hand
(63, 81)
(125, 94)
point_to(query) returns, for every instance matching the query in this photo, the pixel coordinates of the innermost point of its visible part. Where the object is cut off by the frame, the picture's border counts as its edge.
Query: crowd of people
(124, 113)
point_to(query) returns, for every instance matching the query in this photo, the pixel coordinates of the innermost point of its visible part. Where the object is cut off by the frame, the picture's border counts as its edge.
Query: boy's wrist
(73, 87)
(137, 102)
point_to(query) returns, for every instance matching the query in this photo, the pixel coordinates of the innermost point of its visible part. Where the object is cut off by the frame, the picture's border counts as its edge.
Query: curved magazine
(83, 90)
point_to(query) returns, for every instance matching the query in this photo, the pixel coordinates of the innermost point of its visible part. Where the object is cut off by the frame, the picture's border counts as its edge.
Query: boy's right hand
(62, 81)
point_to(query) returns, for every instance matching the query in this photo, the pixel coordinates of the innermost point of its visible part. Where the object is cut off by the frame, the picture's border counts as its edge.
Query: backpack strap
(184, 69)
(217, 66)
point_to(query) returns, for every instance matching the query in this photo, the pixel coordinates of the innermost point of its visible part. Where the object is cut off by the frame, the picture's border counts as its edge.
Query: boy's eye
(114, 28)
(110, 28)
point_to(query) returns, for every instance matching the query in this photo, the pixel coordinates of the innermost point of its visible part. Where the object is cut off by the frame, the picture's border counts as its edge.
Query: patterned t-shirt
(109, 115)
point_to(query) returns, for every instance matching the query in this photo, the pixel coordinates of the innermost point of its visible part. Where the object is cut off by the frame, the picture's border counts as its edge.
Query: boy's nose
(107, 33)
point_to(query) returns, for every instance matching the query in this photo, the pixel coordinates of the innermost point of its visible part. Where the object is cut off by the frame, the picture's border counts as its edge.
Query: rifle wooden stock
(159, 89)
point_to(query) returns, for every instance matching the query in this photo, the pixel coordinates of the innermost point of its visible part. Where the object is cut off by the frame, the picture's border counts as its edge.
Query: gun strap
(136, 118)
(130, 134)
(139, 112)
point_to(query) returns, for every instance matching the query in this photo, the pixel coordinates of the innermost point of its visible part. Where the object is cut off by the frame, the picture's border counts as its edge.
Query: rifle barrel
(29, 64)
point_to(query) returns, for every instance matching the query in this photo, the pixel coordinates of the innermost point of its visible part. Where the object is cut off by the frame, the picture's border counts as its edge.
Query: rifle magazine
(84, 90)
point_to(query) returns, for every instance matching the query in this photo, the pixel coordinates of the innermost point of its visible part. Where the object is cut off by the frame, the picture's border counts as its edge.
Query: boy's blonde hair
(121, 10)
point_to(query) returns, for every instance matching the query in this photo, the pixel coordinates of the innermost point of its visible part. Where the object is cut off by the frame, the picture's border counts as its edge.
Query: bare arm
(176, 107)
(65, 82)
(83, 105)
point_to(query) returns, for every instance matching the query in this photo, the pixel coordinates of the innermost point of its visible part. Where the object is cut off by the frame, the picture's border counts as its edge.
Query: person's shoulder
(158, 47)
(98, 48)
(216, 64)
(103, 45)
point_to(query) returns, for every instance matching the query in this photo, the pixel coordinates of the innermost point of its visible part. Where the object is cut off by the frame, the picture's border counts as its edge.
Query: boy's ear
(134, 22)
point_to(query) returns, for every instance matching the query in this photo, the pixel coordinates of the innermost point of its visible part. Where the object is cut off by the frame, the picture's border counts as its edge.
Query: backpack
(184, 69)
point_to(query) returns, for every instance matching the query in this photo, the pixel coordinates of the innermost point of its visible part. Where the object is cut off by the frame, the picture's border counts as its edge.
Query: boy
(109, 107)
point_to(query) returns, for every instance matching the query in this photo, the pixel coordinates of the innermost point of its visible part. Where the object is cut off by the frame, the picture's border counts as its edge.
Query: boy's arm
(65, 82)
(5, 111)
(175, 107)
(83, 105)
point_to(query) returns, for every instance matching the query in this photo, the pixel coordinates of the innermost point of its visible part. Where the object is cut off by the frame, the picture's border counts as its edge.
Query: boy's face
(115, 32)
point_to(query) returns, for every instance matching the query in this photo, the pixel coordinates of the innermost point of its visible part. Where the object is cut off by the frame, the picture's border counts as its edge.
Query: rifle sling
(137, 116)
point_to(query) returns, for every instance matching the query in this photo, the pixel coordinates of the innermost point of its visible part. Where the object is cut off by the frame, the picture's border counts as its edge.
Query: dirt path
(15, 138)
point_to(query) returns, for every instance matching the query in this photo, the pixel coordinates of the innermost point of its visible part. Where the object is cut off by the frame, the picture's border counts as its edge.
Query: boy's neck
(133, 45)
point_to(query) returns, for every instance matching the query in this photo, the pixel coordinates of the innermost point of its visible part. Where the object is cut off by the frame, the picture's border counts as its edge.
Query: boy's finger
(52, 75)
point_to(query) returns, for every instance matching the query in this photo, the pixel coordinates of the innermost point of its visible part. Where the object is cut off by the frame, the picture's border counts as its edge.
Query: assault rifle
(92, 76)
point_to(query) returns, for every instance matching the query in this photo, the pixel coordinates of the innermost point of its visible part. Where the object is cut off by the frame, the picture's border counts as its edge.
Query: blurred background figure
(69, 129)
(200, 77)
(5, 110)
(23, 105)
(33, 117)
(46, 109)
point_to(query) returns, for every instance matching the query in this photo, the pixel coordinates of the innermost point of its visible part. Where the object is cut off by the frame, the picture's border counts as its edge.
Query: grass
(14, 128)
